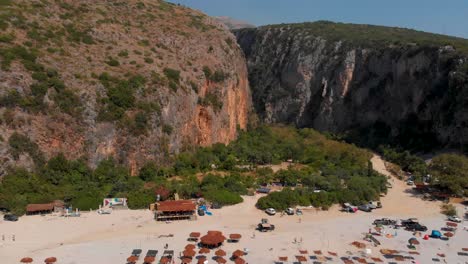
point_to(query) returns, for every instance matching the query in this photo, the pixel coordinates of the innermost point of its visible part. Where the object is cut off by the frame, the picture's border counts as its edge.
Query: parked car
(10, 217)
(298, 211)
(410, 183)
(416, 227)
(454, 219)
(265, 226)
(289, 211)
(385, 222)
(270, 211)
(365, 208)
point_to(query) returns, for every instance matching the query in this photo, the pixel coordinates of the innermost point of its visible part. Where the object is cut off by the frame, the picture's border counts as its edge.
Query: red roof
(176, 206)
(39, 207)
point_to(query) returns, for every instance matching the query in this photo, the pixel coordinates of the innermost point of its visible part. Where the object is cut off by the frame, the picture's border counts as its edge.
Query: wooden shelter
(175, 210)
(55, 206)
(212, 239)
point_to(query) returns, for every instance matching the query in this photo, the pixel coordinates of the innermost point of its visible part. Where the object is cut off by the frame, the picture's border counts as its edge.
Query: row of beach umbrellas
(47, 260)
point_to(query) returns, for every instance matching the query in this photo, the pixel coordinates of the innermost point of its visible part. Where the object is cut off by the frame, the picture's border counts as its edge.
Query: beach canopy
(221, 260)
(190, 246)
(213, 238)
(239, 261)
(149, 259)
(220, 253)
(301, 258)
(26, 260)
(377, 260)
(332, 253)
(186, 260)
(165, 260)
(235, 236)
(132, 259)
(348, 261)
(358, 244)
(283, 259)
(50, 260)
(237, 253)
(195, 234)
(189, 253)
(302, 251)
(317, 252)
(204, 251)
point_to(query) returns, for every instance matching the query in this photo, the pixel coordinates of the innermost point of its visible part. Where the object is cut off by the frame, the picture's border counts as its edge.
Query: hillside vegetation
(124, 79)
(374, 36)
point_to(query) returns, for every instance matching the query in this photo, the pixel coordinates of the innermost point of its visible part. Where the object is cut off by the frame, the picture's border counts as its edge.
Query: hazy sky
(440, 16)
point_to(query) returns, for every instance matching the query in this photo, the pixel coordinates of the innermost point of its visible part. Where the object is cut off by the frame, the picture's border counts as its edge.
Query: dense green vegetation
(375, 36)
(324, 172)
(340, 170)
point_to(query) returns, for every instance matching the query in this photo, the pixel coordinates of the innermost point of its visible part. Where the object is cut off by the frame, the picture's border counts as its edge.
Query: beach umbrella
(201, 261)
(186, 260)
(317, 252)
(132, 259)
(204, 251)
(377, 260)
(221, 260)
(301, 258)
(190, 246)
(302, 251)
(235, 236)
(194, 235)
(332, 253)
(50, 260)
(448, 234)
(164, 260)
(237, 253)
(283, 259)
(189, 253)
(239, 260)
(465, 249)
(220, 253)
(26, 260)
(413, 241)
(149, 259)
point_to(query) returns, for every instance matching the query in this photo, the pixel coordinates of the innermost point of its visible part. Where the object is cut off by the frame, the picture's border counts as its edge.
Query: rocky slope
(135, 80)
(371, 84)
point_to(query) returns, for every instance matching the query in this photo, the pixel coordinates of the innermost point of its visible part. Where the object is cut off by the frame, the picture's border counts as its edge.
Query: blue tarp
(436, 234)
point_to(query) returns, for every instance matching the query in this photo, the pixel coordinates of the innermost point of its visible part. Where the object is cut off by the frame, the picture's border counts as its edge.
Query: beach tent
(436, 234)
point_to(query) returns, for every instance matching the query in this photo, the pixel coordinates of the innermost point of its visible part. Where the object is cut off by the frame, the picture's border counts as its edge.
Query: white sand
(107, 239)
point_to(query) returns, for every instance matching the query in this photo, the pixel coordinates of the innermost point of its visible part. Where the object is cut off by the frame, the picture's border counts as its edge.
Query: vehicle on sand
(265, 226)
(270, 211)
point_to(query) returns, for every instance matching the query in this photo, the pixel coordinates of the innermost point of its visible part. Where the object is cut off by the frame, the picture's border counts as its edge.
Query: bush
(20, 144)
(167, 129)
(222, 197)
(112, 62)
(449, 210)
(140, 199)
(172, 75)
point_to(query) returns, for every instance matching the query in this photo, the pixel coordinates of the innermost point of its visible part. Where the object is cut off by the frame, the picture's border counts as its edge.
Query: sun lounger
(151, 253)
(137, 252)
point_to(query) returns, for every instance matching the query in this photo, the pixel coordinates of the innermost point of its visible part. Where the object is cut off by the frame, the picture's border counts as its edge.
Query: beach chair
(136, 252)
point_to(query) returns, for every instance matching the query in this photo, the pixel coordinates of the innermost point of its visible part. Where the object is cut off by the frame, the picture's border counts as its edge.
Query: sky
(448, 17)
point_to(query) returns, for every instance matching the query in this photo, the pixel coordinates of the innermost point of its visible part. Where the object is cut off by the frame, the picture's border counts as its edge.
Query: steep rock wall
(410, 95)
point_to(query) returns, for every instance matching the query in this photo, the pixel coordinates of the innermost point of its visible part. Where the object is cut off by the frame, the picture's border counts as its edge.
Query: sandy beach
(106, 239)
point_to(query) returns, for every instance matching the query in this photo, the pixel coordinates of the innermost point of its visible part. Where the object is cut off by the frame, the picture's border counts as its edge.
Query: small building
(56, 206)
(175, 210)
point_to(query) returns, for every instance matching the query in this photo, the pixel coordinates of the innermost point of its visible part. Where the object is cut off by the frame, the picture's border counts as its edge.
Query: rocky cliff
(371, 84)
(133, 80)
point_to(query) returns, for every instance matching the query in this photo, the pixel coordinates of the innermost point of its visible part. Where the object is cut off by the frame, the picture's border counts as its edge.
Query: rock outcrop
(133, 80)
(370, 90)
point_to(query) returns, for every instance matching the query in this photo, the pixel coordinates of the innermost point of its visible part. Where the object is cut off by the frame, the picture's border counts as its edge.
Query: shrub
(20, 144)
(449, 210)
(123, 53)
(149, 60)
(167, 129)
(112, 62)
(172, 75)
(222, 197)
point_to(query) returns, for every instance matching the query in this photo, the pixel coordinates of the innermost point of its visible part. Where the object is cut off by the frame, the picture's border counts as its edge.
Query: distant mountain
(232, 23)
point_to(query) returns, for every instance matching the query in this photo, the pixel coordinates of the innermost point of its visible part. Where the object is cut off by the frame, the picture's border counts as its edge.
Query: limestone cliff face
(133, 80)
(411, 95)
